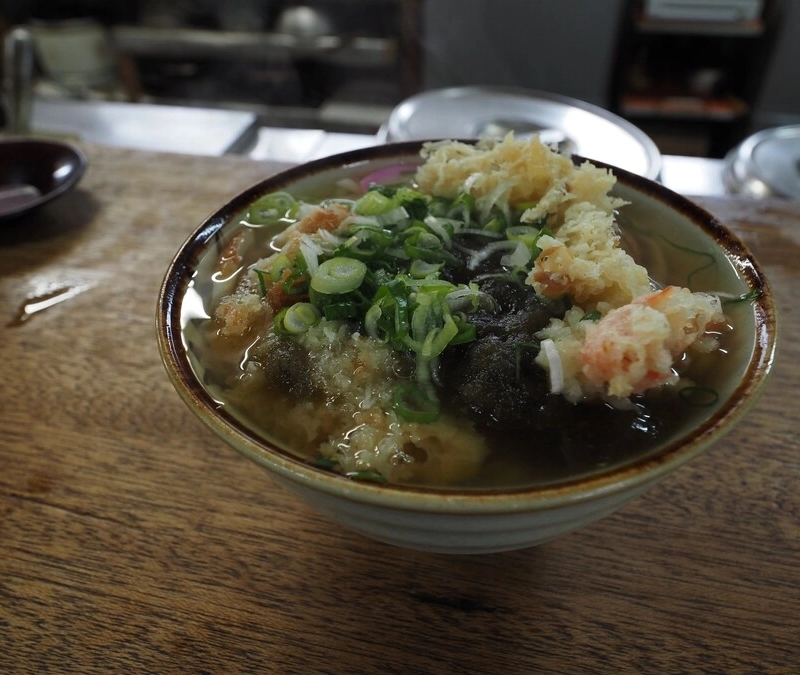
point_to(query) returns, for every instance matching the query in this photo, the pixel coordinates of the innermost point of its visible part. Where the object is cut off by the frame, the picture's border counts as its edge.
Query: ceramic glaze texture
(37, 171)
(483, 520)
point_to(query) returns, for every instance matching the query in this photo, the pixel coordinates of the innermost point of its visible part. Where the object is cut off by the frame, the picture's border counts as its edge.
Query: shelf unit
(369, 59)
(691, 84)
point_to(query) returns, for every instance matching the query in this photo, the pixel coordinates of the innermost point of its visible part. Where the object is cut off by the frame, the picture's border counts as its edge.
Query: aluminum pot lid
(574, 126)
(766, 164)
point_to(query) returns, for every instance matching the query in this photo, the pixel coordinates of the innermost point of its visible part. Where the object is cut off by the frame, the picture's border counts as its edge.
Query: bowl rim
(79, 165)
(597, 485)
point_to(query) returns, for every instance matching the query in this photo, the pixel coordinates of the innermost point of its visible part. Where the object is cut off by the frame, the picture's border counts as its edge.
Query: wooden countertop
(132, 540)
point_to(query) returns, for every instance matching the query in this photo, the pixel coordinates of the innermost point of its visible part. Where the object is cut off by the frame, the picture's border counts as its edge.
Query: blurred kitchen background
(697, 77)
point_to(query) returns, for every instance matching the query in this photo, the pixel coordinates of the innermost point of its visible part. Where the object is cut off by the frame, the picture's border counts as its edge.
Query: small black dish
(36, 171)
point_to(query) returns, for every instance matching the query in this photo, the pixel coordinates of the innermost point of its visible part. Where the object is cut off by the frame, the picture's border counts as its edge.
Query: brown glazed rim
(640, 472)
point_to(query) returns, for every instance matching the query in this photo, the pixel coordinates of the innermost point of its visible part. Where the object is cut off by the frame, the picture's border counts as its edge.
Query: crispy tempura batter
(634, 346)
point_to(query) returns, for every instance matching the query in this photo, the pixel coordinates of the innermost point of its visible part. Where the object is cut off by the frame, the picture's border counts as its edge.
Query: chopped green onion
(327, 463)
(383, 268)
(413, 405)
(437, 340)
(341, 310)
(261, 277)
(297, 281)
(299, 317)
(361, 247)
(338, 275)
(439, 287)
(495, 225)
(442, 228)
(373, 203)
(464, 299)
(277, 323)
(474, 231)
(387, 319)
(488, 250)
(393, 216)
(380, 236)
(272, 208)
(420, 269)
(463, 207)
(518, 258)
(279, 263)
(466, 332)
(535, 249)
(524, 233)
(524, 206)
(592, 316)
(371, 319)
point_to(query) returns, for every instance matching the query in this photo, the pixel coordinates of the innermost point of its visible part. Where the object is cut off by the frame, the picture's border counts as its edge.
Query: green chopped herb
(299, 317)
(327, 463)
(413, 404)
(338, 275)
(272, 208)
(262, 277)
(388, 269)
(373, 203)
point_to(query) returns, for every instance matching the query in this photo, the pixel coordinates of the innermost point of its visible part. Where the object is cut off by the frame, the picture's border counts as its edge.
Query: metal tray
(766, 164)
(575, 126)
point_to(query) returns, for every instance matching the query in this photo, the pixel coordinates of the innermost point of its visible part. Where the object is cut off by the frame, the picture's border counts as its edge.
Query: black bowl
(34, 171)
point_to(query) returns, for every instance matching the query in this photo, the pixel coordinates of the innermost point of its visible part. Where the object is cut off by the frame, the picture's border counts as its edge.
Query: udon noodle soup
(495, 315)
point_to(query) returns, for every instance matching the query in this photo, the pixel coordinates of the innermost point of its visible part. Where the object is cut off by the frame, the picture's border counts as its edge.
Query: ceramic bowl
(481, 520)
(36, 171)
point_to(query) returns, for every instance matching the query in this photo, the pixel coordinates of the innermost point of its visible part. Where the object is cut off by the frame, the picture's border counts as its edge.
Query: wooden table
(131, 540)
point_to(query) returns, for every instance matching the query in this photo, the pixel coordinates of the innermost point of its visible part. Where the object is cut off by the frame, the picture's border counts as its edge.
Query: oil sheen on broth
(490, 382)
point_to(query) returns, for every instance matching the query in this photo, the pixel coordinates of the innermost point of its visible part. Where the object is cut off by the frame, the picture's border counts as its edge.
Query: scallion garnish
(299, 317)
(388, 267)
(338, 275)
(272, 208)
(262, 278)
(414, 405)
(327, 463)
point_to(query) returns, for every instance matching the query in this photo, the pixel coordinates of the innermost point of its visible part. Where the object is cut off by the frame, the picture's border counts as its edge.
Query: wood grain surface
(131, 540)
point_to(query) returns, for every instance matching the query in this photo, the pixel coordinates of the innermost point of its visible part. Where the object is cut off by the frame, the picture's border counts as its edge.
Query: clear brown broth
(565, 442)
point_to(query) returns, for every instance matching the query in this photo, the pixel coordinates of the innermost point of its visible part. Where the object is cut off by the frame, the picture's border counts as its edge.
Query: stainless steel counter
(203, 131)
(686, 175)
(185, 130)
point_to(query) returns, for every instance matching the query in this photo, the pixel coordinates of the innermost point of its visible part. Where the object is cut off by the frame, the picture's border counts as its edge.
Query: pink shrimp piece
(322, 218)
(230, 259)
(634, 347)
